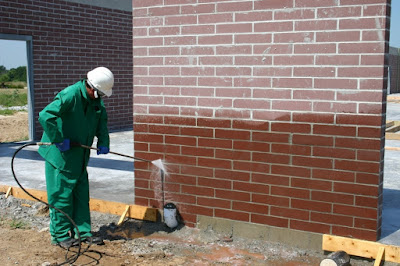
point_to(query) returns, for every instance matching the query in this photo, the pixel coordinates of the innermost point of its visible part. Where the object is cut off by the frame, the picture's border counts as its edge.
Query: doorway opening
(16, 88)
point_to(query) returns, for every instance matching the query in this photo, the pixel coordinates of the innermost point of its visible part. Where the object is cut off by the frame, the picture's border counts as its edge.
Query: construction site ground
(25, 240)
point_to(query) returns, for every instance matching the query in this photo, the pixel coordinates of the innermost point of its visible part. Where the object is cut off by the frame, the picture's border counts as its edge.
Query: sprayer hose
(71, 259)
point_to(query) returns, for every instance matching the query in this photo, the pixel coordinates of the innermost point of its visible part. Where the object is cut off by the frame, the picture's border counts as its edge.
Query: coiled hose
(68, 260)
(71, 259)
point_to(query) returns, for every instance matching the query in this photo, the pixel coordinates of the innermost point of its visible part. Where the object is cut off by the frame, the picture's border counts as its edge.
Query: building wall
(394, 68)
(69, 39)
(265, 112)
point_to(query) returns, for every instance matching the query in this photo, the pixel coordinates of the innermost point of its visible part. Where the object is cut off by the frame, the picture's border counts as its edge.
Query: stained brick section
(70, 39)
(269, 115)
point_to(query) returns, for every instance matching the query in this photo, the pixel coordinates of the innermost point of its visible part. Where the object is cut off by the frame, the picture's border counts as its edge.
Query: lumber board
(135, 211)
(392, 136)
(17, 192)
(389, 123)
(393, 129)
(360, 248)
(392, 148)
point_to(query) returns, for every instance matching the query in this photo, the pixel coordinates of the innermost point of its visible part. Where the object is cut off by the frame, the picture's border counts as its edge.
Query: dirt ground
(25, 240)
(14, 127)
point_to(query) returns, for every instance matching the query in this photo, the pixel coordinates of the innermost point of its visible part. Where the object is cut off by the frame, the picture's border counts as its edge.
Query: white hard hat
(102, 79)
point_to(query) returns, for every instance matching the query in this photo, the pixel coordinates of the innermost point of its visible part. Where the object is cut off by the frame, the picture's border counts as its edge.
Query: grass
(7, 112)
(13, 223)
(18, 224)
(14, 98)
(15, 84)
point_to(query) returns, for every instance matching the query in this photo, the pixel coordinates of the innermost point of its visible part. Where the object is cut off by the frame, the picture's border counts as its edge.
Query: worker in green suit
(76, 115)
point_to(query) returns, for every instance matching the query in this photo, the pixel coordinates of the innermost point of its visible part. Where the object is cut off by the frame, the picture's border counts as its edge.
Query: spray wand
(75, 144)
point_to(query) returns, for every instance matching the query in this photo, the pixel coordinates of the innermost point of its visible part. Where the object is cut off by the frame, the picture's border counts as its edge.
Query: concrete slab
(111, 177)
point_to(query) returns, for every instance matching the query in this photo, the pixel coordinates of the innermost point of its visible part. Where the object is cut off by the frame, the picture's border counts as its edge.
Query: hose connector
(44, 143)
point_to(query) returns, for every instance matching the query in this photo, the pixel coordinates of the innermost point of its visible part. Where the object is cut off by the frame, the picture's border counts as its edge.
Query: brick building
(270, 114)
(68, 38)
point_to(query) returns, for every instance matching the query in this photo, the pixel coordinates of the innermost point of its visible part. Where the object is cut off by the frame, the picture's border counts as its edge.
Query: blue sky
(395, 24)
(13, 53)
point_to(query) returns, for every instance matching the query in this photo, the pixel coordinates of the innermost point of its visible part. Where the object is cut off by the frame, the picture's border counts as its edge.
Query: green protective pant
(69, 193)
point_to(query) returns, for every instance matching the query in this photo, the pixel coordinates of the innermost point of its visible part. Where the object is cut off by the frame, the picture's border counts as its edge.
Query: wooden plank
(392, 136)
(393, 129)
(135, 211)
(17, 192)
(378, 259)
(392, 148)
(389, 124)
(360, 248)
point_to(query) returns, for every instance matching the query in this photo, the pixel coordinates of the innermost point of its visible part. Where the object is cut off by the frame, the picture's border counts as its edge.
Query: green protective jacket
(73, 115)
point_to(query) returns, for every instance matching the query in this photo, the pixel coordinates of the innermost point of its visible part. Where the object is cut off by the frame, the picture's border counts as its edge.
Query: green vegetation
(18, 224)
(14, 74)
(14, 223)
(7, 112)
(12, 88)
(13, 98)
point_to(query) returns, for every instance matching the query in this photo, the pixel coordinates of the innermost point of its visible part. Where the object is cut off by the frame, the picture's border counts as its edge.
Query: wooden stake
(9, 192)
(379, 256)
(123, 215)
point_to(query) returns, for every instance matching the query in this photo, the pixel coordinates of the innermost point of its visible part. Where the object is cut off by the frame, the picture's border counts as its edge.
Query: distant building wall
(394, 68)
(70, 38)
(267, 112)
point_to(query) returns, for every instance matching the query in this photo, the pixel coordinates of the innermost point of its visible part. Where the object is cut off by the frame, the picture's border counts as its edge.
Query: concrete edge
(290, 237)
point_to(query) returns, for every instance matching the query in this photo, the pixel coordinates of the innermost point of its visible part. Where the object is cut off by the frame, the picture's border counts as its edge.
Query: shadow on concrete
(391, 212)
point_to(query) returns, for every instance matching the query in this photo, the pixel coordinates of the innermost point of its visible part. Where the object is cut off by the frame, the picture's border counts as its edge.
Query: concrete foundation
(294, 238)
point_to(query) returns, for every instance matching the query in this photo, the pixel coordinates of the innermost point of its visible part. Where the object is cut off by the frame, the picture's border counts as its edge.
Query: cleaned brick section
(69, 39)
(271, 114)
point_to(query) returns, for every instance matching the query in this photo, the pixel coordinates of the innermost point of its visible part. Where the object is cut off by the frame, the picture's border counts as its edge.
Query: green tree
(17, 74)
(3, 70)
(14, 74)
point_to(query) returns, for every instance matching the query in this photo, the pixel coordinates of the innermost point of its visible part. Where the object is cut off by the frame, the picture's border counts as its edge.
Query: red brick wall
(267, 112)
(394, 63)
(70, 39)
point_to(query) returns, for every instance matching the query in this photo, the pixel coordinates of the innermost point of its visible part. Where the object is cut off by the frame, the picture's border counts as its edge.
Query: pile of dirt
(14, 127)
(26, 241)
